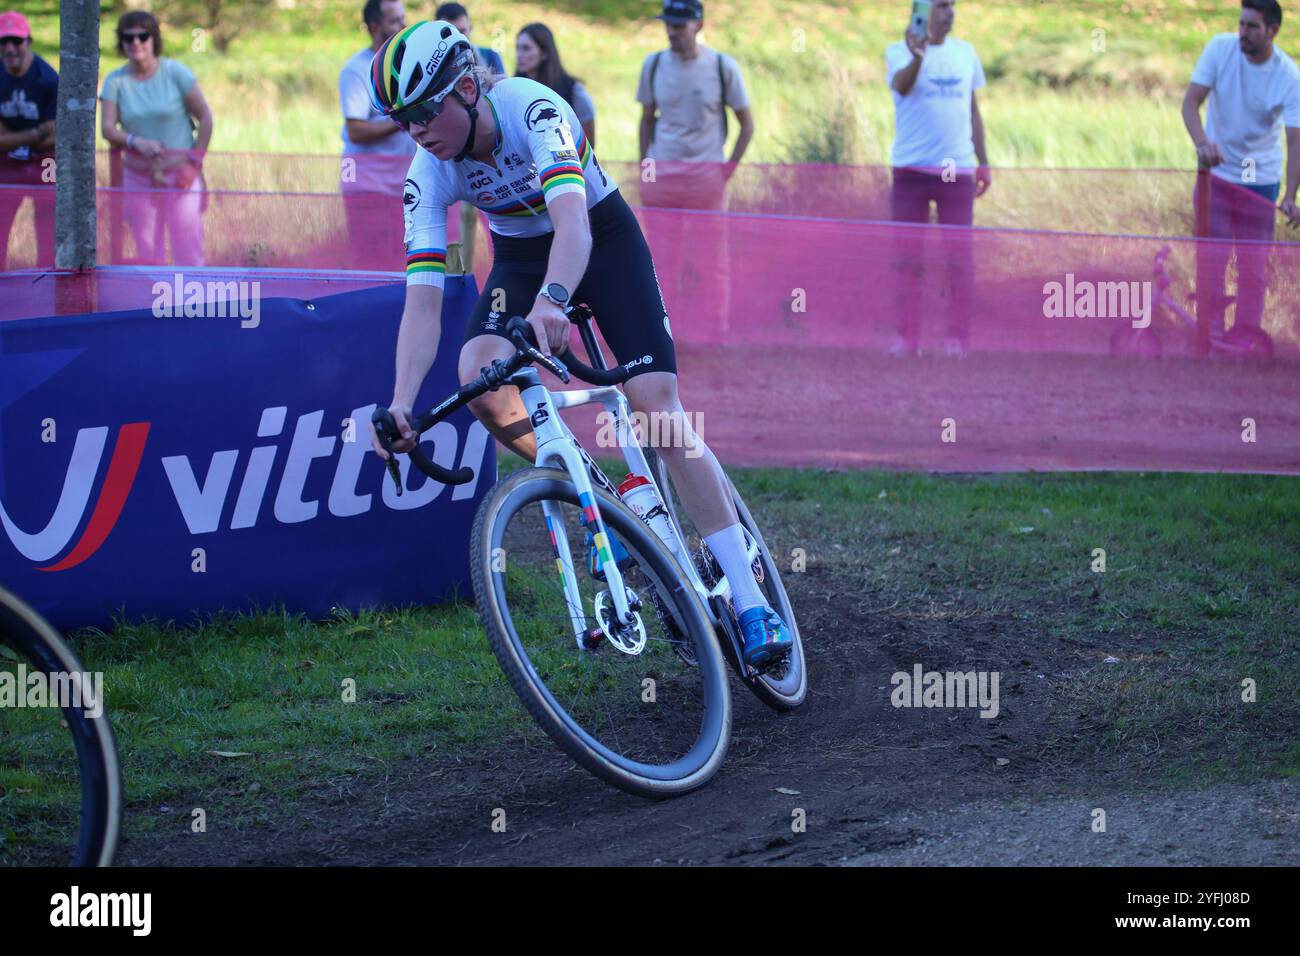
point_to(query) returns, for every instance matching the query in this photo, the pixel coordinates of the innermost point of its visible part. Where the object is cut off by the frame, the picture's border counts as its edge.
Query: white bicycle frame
(556, 445)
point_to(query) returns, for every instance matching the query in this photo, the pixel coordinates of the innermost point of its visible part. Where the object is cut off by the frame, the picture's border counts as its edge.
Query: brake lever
(555, 368)
(395, 472)
(383, 421)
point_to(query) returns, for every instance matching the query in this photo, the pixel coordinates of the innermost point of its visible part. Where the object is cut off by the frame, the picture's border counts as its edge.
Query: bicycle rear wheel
(629, 706)
(59, 770)
(785, 686)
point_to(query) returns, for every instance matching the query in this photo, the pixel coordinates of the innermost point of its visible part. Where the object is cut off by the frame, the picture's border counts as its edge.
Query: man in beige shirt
(684, 93)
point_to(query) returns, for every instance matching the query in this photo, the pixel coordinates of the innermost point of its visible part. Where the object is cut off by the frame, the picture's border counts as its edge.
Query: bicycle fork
(556, 445)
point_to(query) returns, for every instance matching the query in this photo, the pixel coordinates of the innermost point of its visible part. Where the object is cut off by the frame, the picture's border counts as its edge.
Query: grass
(1199, 593)
(1060, 93)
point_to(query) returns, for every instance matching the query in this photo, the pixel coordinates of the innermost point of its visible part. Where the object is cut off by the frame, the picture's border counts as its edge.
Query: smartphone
(920, 21)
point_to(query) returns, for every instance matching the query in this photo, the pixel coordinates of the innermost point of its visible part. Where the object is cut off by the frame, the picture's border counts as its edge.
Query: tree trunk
(74, 223)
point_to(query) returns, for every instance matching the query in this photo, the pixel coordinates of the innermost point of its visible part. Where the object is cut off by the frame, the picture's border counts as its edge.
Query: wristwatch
(557, 294)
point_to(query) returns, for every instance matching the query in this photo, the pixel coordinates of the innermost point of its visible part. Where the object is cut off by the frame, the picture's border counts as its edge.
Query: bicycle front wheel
(644, 707)
(60, 781)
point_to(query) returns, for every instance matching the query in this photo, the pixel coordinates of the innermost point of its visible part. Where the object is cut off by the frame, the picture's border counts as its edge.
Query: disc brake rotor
(628, 638)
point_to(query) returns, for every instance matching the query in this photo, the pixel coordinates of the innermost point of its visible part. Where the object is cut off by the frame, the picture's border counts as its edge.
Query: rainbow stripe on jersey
(421, 261)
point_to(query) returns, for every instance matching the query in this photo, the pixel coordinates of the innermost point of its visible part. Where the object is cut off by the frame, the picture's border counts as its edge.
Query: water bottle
(640, 494)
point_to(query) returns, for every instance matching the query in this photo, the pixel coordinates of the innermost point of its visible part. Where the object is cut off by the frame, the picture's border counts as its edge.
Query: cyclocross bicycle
(59, 771)
(618, 657)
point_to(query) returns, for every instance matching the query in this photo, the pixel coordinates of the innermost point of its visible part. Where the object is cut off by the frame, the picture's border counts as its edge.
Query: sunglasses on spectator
(135, 37)
(12, 41)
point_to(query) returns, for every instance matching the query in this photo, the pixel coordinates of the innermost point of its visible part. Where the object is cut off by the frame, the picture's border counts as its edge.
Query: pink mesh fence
(1077, 325)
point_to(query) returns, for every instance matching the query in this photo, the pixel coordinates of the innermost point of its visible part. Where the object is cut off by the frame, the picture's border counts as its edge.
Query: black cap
(681, 11)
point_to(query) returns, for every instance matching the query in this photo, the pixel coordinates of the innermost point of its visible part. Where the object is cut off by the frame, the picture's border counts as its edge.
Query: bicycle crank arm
(728, 635)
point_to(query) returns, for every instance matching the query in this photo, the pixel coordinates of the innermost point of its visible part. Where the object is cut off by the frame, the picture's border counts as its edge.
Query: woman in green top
(151, 107)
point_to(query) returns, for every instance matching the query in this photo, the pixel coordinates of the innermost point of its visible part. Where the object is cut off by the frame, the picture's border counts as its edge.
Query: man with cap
(29, 95)
(684, 94)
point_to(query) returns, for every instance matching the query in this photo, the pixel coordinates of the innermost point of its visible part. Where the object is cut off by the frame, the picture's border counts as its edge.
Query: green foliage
(215, 21)
(831, 135)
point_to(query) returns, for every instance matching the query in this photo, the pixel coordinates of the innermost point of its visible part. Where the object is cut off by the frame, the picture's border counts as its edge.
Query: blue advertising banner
(180, 460)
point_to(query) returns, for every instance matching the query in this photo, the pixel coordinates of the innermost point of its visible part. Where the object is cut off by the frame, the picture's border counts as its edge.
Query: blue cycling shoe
(767, 639)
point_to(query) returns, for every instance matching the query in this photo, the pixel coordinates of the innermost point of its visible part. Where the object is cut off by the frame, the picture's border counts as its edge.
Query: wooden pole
(74, 222)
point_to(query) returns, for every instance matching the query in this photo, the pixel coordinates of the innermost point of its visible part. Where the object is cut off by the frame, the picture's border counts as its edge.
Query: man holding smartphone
(938, 156)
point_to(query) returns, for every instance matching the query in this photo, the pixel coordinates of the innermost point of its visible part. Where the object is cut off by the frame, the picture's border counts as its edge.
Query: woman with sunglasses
(561, 232)
(152, 105)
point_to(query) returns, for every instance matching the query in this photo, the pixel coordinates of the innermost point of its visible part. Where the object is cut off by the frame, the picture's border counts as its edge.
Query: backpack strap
(722, 83)
(654, 68)
(654, 105)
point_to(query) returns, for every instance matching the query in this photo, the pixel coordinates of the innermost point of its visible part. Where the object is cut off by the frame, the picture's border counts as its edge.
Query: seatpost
(582, 317)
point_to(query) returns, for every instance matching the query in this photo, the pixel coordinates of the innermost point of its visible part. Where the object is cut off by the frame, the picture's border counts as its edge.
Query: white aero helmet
(419, 64)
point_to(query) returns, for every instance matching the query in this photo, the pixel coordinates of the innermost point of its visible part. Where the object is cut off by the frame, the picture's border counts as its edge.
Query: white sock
(728, 546)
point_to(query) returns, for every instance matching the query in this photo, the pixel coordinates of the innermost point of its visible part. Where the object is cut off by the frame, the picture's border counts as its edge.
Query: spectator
(684, 93)
(29, 93)
(458, 16)
(151, 107)
(365, 129)
(490, 60)
(938, 156)
(538, 58)
(375, 150)
(1254, 91)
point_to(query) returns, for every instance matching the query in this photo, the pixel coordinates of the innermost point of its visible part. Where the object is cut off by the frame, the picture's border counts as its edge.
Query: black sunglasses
(12, 41)
(420, 113)
(137, 37)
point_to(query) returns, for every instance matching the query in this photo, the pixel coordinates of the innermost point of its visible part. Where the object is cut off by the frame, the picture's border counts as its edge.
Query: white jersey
(540, 153)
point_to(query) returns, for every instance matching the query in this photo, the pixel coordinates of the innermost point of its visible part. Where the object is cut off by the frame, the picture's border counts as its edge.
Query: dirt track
(877, 784)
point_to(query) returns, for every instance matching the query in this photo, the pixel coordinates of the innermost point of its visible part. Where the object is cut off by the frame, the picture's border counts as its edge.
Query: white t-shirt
(932, 123)
(1249, 105)
(689, 97)
(354, 97)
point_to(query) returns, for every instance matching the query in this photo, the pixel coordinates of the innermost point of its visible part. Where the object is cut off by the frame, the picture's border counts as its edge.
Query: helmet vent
(413, 83)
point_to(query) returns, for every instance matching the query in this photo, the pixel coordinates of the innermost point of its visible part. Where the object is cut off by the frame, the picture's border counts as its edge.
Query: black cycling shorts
(620, 287)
